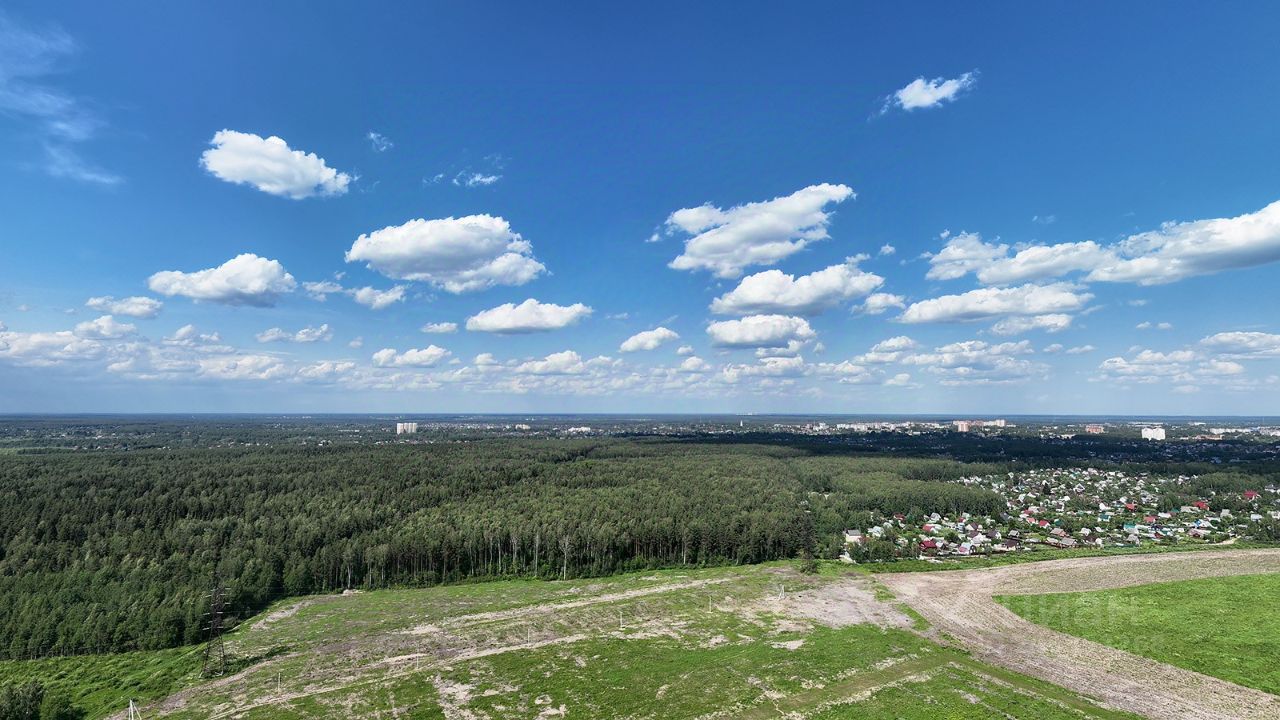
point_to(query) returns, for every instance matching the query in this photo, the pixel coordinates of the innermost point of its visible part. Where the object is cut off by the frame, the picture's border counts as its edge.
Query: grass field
(744, 642)
(1225, 627)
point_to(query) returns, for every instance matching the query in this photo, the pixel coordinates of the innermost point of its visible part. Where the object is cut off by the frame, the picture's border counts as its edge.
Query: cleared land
(1228, 627)
(961, 605)
(740, 642)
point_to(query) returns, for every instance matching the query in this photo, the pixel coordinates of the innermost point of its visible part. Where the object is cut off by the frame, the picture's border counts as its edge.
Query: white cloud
(305, 335)
(475, 179)
(1044, 261)
(760, 331)
(922, 93)
(986, 303)
(425, 357)
(684, 350)
(566, 362)
(271, 166)
(888, 351)
(1200, 247)
(28, 60)
(104, 328)
(370, 297)
(528, 316)
(694, 364)
(880, 303)
(1244, 344)
(964, 253)
(760, 233)
(1174, 252)
(379, 142)
(975, 362)
(457, 254)
(376, 299)
(39, 349)
(243, 367)
(648, 340)
(1081, 349)
(137, 306)
(440, 327)
(321, 291)
(243, 280)
(773, 291)
(1053, 322)
(887, 249)
(356, 342)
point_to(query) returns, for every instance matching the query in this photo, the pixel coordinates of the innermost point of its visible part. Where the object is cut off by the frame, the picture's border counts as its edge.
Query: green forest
(113, 551)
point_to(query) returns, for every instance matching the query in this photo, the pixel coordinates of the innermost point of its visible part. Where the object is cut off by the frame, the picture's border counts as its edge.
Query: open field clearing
(1228, 627)
(961, 605)
(754, 642)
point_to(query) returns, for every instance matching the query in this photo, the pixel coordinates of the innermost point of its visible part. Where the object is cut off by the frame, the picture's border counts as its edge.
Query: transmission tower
(215, 654)
(134, 713)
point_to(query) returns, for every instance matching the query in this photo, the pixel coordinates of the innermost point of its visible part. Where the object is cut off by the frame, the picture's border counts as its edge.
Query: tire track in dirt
(961, 604)
(444, 654)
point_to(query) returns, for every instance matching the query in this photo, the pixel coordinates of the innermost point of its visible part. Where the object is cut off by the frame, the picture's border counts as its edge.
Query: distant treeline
(111, 551)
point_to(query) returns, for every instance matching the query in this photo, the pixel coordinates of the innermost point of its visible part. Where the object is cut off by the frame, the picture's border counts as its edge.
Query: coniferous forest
(111, 551)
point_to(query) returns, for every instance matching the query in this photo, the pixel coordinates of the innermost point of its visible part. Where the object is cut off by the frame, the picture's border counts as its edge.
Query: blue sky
(736, 208)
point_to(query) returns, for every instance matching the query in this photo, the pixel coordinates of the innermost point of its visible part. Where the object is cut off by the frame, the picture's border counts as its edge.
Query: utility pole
(134, 713)
(215, 653)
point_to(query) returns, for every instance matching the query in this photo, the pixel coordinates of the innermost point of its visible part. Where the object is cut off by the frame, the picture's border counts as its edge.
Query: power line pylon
(134, 713)
(215, 654)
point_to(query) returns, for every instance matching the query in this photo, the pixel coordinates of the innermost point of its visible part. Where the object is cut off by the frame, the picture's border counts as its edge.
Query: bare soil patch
(960, 605)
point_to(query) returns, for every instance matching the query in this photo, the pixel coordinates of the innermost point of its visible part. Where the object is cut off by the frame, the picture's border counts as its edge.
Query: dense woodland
(115, 545)
(118, 550)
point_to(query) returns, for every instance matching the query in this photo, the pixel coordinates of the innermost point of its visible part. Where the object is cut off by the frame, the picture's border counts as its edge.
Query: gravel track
(960, 604)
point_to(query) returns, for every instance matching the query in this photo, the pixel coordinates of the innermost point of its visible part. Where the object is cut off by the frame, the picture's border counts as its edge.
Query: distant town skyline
(863, 210)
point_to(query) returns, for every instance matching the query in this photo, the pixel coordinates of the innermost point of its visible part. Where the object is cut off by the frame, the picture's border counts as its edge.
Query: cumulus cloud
(456, 254)
(370, 297)
(759, 233)
(243, 367)
(694, 364)
(976, 362)
(104, 328)
(566, 362)
(922, 93)
(376, 299)
(1044, 261)
(243, 280)
(1053, 322)
(684, 350)
(305, 335)
(880, 303)
(1244, 344)
(888, 351)
(993, 302)
(41, 349)
(137, 306)
(1201, 247)
(424, 357)
(528, 316)
(271, 166)
(773, 291)
(440, 327)
(760, 331)
(1177, 250)
(648, 340)
(964, 253)
(1080, 350)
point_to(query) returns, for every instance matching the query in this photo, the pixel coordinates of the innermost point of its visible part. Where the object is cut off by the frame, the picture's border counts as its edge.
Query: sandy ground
(850, 601)
(960, 604)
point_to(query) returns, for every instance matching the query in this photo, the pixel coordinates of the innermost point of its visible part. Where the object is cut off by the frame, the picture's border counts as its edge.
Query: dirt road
(960, 604)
